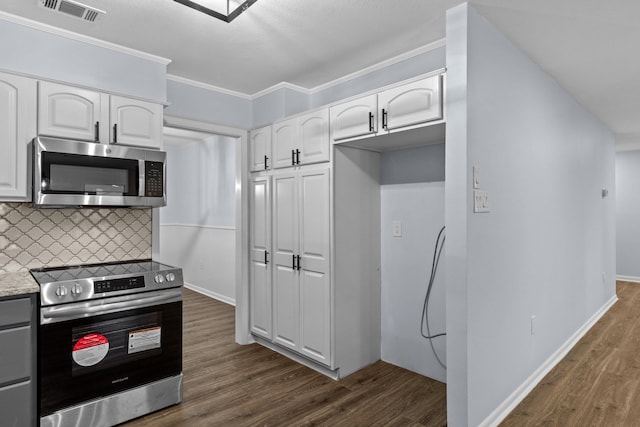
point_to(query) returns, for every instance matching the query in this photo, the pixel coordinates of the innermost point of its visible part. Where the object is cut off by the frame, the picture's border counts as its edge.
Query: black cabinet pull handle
(370, 121)
(266, 260)
(115, 133)
(293, 262)
(97, 131)
(266, 166)
(384, 118)
(293, 157)
(297, 156)
(298, 257)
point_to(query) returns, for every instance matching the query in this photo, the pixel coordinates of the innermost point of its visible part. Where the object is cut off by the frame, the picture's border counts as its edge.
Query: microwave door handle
(141, 176)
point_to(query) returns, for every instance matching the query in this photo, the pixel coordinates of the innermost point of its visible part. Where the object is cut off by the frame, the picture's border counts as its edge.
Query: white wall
(628, 215)
(197, 227)
(406, 267)
(550, 236)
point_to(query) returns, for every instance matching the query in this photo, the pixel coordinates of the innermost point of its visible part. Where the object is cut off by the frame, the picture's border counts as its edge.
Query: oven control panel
(114, 285)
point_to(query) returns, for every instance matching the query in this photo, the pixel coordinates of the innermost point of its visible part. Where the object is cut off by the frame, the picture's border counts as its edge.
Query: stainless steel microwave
(74, 173)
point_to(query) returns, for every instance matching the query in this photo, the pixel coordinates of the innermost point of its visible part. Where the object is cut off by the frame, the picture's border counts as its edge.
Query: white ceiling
(589, 46)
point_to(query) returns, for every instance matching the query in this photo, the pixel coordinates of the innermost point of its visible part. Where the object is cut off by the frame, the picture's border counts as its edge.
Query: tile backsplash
(31, 238)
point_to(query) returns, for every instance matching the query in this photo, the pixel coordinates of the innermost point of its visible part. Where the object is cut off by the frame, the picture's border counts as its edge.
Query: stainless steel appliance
(110, 342)
(73, 173)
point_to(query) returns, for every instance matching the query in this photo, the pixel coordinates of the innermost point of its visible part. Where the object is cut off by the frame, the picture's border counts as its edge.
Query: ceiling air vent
(73, 8)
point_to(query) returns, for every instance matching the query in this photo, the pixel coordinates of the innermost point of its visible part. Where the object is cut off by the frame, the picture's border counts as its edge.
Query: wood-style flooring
(226, 384)
(596, 384)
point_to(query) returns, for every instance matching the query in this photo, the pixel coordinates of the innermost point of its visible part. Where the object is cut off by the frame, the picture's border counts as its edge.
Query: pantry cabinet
(301, 248)
(260, 253)
(17, 128)
(260, 149)
(301, 140)
(77, 113)
(406, 106)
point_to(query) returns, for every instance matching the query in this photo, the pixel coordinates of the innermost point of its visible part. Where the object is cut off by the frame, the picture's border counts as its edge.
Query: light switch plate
(481, 201)
(476, 177)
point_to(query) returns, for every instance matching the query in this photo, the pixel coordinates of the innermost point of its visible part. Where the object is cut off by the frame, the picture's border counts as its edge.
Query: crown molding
(281, 85)
(380, 65)
(81, 38)
(207, 86)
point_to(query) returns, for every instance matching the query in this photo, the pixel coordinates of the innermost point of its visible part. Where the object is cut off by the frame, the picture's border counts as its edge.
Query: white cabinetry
(17, 128)
(75, 113)
(301, 140)
(260, 262)
(301, 258)
(410, 105)
(260, 149)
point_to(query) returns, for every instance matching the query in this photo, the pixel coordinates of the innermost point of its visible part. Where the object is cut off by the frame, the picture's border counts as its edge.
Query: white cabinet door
(411, 104)
(260, 149)
(135, 122)
(17, 127)
(313, 137)
(354, 118)
(260, 265)
(285, 248)
(314, 247)
(69, 112)
(284, 140)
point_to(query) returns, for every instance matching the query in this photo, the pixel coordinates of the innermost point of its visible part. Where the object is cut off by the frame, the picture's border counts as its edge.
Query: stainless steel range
(110, 342)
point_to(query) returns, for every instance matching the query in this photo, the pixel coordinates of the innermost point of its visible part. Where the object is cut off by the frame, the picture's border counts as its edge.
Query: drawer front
(17, 405)
(15, 354)
(15, 311)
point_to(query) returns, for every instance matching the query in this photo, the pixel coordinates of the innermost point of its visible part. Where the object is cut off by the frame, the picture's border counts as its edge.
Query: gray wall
(421, 164)
(550, 236)
(41, 54)
(628, 215)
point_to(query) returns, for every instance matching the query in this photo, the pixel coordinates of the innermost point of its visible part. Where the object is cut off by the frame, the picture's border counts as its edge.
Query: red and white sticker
(144, 339)
(90, 349)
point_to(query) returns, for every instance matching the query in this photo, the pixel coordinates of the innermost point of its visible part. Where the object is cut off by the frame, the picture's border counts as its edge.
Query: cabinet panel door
(354, 118)
(17, 127)
(68, 112)
(16, 354)
(17, 405)
(314, 137)
(135, 122)
(260, 149)
(411, 104)
(284, 140)
(260, 266)
(315, 297)
(285, 246)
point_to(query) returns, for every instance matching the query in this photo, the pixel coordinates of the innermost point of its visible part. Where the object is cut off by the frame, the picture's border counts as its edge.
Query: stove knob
(170, 277)
(76, 289)
(159, 278)
(61, 291)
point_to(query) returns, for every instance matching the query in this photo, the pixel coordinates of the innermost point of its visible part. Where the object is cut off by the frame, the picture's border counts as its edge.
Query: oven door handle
(112, 305)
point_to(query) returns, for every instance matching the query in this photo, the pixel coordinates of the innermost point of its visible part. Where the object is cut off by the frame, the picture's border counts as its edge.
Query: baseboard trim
(509, 404)
(633, 279)
(211, 294)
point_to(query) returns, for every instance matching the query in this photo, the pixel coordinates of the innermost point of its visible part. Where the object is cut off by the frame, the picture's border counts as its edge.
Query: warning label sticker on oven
(144, 339)
(90, 349)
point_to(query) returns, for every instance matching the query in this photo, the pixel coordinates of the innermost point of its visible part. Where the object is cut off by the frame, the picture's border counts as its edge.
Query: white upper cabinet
(260, 149)
(75, 113)
(354, 118)
(411, 104)
(301, 140)
(404, 107)
(70, 112)
(17, 128)
(135, 122)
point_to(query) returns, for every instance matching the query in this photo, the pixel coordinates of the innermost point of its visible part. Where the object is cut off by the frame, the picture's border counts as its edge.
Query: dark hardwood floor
(596, 384)
(226, 384)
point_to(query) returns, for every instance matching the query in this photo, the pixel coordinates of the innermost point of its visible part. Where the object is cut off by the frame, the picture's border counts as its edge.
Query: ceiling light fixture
(225, 10)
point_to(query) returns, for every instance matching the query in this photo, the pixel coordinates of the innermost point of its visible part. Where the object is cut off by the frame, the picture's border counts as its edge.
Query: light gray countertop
(20, 283)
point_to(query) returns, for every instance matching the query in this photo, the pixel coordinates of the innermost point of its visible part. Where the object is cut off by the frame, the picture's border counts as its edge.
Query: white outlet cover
(396, 227)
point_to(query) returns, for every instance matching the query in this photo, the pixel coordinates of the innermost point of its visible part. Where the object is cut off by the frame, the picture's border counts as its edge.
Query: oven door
(92, 349)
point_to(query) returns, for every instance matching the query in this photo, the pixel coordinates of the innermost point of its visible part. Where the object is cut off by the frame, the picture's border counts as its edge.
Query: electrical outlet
(396, 227)
(481, 201)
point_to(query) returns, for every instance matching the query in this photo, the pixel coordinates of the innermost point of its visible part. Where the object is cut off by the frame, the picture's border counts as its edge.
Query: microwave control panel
(154, 179)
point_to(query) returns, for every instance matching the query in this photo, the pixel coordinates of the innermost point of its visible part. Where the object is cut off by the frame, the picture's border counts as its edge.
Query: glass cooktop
(89, 271)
